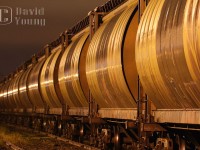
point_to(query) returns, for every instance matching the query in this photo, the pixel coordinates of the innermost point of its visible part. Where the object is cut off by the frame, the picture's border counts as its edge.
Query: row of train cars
(125, 77)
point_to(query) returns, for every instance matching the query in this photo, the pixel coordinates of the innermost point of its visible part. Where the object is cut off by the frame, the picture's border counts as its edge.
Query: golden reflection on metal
(69, 81)
(23, 89)
(105, 66)
(167, 53)
(47, 80)
(10, 96)
(1, 97)
(6, 100)
(129, 64)
(2, 94)
(33, 85)
(82, 69)
(16, 90)
(191, 37)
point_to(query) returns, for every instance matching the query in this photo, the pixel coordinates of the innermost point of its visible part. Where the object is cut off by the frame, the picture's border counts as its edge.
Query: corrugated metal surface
(118, 113)
(5, 95)
(191, 42)
(16, 91)
(2, 106)
(48, 79)
(69, 77)
(105, 70)
(167, 53)
(186, 116)
(78, 111)
(10, 93)
(23, 89)
(34, 85)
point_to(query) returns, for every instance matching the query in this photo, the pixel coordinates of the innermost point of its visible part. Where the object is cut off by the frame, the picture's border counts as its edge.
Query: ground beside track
(28, 140)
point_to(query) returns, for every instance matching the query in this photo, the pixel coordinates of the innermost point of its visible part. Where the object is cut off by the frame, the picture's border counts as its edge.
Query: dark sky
(19, 42)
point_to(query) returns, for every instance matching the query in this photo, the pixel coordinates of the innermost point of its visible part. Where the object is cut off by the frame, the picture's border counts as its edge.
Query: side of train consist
(113, 84)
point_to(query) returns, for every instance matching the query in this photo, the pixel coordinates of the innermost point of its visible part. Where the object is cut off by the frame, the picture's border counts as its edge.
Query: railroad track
(43, 137)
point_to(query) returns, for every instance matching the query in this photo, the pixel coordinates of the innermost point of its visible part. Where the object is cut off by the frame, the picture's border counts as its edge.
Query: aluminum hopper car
(125, 77)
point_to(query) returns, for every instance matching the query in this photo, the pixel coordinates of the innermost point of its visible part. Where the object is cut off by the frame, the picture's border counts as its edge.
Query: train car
(33, 84)
(166, 62)
(125, 77)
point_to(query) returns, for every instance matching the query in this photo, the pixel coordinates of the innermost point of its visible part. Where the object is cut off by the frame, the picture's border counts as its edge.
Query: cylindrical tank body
(2, 94)
(2, 106)
(5, 95)
(111, 69)
(34, 84)
(70, 70)
(23, 89)
(167, 53)
(16, 90)
(49, 77)
(13, 91)
(10, 93)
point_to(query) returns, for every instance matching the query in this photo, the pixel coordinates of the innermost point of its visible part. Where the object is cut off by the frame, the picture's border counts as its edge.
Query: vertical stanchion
(142, 102)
